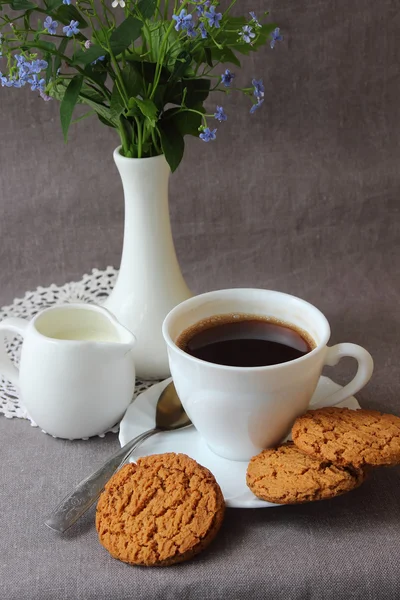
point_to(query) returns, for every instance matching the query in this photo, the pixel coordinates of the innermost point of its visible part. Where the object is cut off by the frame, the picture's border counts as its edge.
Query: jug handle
(7, 367)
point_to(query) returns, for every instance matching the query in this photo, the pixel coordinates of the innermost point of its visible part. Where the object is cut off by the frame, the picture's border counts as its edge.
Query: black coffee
(245, 341)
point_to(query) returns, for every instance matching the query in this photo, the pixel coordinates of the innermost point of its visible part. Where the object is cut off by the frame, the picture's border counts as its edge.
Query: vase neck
(148, 244)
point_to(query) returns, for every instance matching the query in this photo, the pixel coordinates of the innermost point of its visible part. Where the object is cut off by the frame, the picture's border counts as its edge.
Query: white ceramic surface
(77, 374)
(150, 281)
(231, 475)
(237, 410)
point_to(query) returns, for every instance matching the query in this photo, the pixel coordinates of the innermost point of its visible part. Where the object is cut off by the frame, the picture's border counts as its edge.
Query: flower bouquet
(145, 67)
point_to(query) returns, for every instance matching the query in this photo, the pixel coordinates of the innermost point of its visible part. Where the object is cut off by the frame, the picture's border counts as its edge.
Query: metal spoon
(169, 416)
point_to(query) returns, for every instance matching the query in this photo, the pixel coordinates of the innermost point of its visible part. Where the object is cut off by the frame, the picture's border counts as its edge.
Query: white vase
(150, 282)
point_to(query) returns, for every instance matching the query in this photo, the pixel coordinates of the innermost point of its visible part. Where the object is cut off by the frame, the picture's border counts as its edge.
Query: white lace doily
(91, 289)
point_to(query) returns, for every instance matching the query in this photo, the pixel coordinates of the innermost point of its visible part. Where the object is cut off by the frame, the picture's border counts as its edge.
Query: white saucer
(231, 475)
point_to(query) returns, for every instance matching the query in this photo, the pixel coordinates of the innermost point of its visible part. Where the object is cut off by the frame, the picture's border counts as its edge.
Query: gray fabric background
(301, 197)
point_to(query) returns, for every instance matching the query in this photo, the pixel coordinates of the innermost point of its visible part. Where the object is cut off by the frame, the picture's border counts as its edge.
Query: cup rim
(213, 294)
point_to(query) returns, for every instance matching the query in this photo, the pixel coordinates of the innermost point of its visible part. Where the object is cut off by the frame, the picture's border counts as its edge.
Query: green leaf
(61, 50)
(173, 144)
(122, 37)
(182, 62)
(98, 74)
(22, 5)
(68, 103)
(88, 93)
(45, 46)
(49, 71)
(67, 13)
(148, 109)
(53, 4)
(86, 57)
(197, 91)
(106, 121)
(116, 102)
(132, 81)
(234, 22)
(225, 56)
(185, 121)
(208, 57)
(101, 109)
(147, 8)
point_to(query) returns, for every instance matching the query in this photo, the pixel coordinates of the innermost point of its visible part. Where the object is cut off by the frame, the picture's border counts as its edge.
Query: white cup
(241, 410)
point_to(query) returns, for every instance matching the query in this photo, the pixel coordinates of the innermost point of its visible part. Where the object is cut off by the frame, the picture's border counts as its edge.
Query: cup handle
(7, 367)
(361, 378)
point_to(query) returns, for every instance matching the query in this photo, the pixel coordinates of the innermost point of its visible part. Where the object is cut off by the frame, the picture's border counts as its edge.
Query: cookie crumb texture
(344, 436)
(160, 511)
(284, 475)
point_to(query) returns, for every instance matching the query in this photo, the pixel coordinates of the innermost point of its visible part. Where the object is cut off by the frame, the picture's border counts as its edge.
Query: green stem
(160, 59)
(139, 136)
(124, 137)
(156, 146)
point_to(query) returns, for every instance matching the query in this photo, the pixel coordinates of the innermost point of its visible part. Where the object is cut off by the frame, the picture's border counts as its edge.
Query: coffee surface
(245, 341)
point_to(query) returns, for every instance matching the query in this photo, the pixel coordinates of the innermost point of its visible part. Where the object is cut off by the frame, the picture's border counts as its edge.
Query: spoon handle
(76, 503)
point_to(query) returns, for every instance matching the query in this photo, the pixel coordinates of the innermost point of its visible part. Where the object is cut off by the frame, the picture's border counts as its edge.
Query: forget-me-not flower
(50, 25)
(208, 135)
(203, 31)
(220, 114)
(254, 19)
(45, 97)
(182, 20)
(276, 37)
(71, 29)
(190, 30)
(88, 43)
(68, 2)
(259, 88)
(37, 84)
(39, 65)
(227, 78)
(256, 106)
(213, 17)
(247, 34)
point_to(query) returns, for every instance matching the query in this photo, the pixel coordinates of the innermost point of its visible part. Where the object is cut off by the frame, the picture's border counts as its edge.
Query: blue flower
(256, 106)
(38, 65)
(45, 97)
(182, 20)
(71, 29)
(208, 135)
(50, 25)
(213, 17)
(17, 83)
(220, 114)
(67, 2)
(20, 59)
(190, 30)
(259, 88)
(276, 37)
(203, 31)
(254, 19)
(202, 5)
(3, 79)
(247, 34)
(37, 84)
(227, 78)
(97, 60)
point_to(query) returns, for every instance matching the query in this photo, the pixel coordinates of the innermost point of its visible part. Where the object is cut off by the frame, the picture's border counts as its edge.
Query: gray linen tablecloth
(302, 197)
